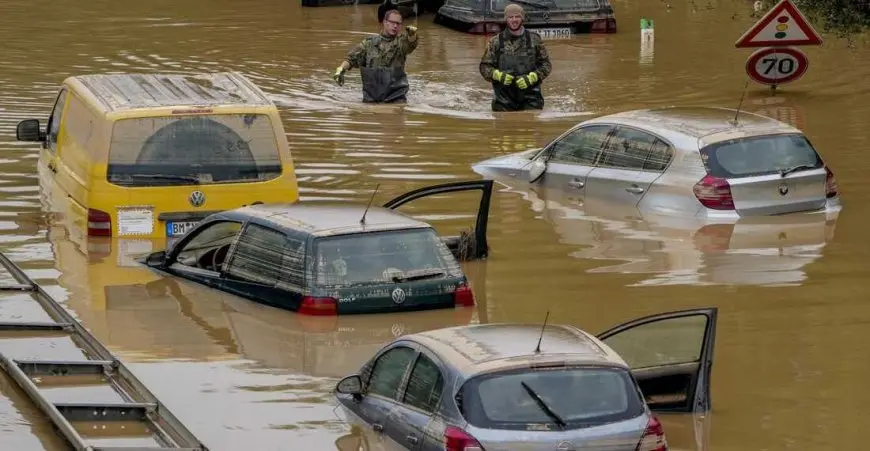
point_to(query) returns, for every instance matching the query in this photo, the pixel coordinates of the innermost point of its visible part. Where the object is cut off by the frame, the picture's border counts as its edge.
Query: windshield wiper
(429, 274)
(180, 178)
(543, 405)
(787, 171)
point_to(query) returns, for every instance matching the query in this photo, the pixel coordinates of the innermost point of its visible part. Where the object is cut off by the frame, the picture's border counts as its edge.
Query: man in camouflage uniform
(516, 63)
(381, 61)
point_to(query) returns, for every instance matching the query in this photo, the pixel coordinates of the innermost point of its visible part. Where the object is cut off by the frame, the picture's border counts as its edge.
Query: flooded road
(793, 318)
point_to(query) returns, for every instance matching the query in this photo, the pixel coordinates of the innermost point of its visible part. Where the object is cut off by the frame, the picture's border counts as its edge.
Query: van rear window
(759, 155)
(579, 396)
(193, 150)
(552, 5)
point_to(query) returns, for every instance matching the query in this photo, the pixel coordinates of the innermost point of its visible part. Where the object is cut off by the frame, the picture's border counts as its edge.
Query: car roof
(326, 218)
(134, 91)
(698, 122)
(480, 348)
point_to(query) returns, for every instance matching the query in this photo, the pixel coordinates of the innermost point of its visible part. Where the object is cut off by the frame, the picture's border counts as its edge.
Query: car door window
(659, 156)
(627, 149)
(259, 255)
(208, 244)
(53, 127)
(388, 372)
(658, 343)
(424, 385)
(581, 146)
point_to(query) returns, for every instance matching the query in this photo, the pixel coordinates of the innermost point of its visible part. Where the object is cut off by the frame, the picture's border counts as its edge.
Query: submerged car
(715, 163)
(552, 19)
(327, 258)
(147, 155)
(521, 386)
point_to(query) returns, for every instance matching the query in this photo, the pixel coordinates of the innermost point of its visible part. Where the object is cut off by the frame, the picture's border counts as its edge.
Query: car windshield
(760, 155)
(532, 5)
(193, 150)
(565, 398)
(379, 257)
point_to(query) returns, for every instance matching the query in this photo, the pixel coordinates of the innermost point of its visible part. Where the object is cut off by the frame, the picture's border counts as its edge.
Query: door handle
(412, 439)
(634, 189)
(378, 427)
(574, 183)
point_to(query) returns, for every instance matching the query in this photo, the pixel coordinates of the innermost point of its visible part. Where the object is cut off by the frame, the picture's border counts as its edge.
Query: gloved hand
(338, 76)
(501, 77)
(412, 30)
(527, 80)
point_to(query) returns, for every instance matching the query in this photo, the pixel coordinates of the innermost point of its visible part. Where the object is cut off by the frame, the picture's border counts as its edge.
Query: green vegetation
(842, 17)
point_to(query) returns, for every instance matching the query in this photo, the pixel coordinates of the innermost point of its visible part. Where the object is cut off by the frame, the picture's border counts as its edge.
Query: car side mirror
(28, 130)
(537, 168)
(350, 385)
(155, 258)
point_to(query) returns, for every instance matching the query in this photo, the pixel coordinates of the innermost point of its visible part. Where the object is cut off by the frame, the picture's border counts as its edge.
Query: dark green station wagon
(328, 258)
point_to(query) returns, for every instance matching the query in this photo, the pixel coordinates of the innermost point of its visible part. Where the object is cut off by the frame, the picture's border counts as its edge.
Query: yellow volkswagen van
(149, 155)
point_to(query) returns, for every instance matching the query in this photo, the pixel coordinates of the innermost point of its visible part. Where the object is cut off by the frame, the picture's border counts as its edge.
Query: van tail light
(99, 223)
(831, 188)
(603, 26)
(653, 438)
(456, 439)
(318, 306)
(463, 295)
(714, 193)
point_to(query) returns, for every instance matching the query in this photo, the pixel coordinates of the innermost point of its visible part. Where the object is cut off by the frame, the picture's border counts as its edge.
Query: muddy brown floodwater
(790, 359)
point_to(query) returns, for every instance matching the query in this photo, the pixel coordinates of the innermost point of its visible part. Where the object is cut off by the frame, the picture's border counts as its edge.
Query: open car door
(466, 246)
(671, 357)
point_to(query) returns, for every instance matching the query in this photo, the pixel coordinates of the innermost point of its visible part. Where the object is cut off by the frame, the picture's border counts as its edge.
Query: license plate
(554, 33)
(179, 228)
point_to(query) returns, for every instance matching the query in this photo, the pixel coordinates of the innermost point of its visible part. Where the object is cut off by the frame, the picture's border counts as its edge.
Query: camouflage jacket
(516, 45)
(383, 51)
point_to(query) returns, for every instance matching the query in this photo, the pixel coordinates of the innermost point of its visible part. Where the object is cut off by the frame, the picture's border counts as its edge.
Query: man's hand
(503, 78)
(527, 80)
(412, 30)
(338, 76)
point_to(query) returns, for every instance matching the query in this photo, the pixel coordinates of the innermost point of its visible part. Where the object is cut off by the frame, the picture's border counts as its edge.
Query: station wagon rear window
(760, 155)
(382, 257)
(193, 150)
(579, 396)
(550, 5)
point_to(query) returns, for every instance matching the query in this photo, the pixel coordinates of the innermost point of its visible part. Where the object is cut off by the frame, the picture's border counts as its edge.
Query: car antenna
(363, 219)
(538, 349)
(739, 105)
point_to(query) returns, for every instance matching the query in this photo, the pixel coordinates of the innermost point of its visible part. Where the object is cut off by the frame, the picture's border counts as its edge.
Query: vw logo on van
(197, 198)
(398, 295)
(783, 189)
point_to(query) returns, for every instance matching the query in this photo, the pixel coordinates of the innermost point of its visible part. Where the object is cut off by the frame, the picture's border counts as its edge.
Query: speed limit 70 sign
(777, 65)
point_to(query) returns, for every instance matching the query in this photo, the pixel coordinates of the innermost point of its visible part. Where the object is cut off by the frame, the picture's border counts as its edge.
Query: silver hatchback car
(515, 387)
(707, 162)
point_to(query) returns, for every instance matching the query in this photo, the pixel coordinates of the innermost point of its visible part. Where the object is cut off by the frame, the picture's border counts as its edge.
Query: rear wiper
(543, 405)
(181, 178)
(787, 171)
(419, 275)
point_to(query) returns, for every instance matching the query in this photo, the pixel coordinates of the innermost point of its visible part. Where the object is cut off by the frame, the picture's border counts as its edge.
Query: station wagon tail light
(714, 193)
(99, 223)
(831, 188)
(603, 26)
(653, 438)
(318, 306)
(463, 295)
(456, 439)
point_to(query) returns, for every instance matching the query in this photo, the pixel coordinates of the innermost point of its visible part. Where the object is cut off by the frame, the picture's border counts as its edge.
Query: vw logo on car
(197, 198)
(783, 189)
(398, 295)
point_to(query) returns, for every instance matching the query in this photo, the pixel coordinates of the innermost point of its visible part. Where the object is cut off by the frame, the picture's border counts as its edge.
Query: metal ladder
(141, 411)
